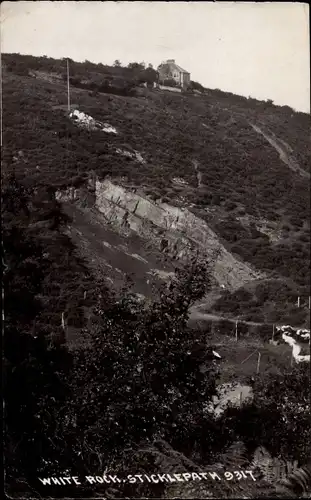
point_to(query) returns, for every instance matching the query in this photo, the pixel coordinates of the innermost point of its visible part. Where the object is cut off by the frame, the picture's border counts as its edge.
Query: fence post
(309, 302)
(273, 330)
(258, 362)
(298, 302)
(236, 331)
(241, 398)
(63, 321)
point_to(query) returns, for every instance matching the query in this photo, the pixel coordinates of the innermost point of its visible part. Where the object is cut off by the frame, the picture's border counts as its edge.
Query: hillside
(239, 165)
(200, 203)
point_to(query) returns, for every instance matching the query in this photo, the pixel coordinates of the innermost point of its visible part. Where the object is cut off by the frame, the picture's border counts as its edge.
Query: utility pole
(1, 102)
(273, 330)
(68, 88)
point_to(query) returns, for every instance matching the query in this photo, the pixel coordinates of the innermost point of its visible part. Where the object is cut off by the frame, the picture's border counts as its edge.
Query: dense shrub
(142, 374)
(169, 82)
(279, 413)
(124, 381)
(269, 301)
(196, 86)
(230, 205)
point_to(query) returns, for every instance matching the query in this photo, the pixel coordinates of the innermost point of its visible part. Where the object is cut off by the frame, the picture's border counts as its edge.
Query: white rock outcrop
(297, 339)
(178, 230)
(135, 155)
(87, 121)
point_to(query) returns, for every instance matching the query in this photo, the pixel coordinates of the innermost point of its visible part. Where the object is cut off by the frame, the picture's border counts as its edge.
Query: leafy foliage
(278, 417)
(141, 373)
(138, 375)
(196, 86)
(271, 301)
(35, 366)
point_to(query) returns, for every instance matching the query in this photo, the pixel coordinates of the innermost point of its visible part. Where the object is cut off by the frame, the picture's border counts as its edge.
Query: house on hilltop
(169, 70)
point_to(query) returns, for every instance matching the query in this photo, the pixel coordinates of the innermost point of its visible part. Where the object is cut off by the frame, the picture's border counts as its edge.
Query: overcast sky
(256, 49)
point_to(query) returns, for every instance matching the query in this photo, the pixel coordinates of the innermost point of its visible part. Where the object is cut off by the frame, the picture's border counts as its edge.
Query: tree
(149, 76)
(34, 375)
(287, 397)
(136, 66)
(143, 373)
(117, 63)
(196, 86)
(18, 67)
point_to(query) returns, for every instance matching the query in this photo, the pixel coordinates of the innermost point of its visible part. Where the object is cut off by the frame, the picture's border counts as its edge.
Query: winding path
(196, 315)
(284, 150)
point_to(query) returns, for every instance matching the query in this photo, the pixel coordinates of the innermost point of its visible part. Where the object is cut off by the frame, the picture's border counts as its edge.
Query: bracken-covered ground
(243, 164)
(239, 164)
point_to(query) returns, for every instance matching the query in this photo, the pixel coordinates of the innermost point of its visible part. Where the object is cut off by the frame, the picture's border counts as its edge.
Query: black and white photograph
(155, 215)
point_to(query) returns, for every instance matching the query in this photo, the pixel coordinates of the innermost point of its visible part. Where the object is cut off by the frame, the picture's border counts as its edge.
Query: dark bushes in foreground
(141, 374)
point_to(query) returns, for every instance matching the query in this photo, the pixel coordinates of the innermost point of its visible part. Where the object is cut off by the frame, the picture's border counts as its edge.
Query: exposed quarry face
(177, 230)
(172, 230)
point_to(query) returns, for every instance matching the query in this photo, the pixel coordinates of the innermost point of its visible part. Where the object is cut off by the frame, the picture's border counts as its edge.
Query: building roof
(180, 69)
(173, 66)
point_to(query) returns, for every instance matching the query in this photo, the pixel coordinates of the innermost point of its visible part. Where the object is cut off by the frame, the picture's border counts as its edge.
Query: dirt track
(197, 316)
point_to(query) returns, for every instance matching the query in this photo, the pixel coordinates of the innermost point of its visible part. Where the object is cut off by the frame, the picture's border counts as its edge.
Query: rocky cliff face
(173, 230)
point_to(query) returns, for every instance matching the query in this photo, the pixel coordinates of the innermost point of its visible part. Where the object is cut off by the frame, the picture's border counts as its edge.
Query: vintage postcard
(156, 249)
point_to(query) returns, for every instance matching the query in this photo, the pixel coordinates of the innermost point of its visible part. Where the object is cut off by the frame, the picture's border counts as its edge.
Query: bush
(170, 82)
(296, 221)
(196, 86)
(305, 238)
(230, 205)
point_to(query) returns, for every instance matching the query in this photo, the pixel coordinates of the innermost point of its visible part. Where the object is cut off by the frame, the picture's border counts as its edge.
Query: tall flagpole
(68, 89)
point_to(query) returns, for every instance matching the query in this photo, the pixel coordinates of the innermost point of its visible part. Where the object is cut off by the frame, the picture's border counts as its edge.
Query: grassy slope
(32, 126)
(244, 179)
